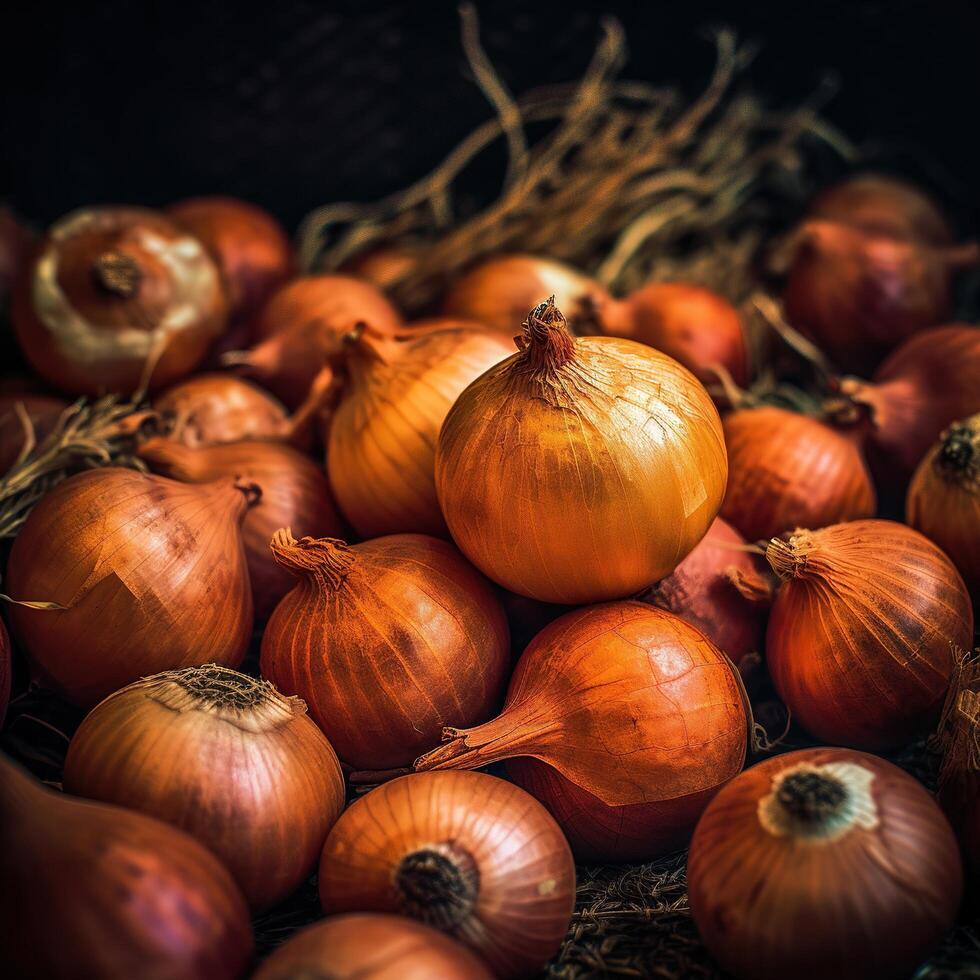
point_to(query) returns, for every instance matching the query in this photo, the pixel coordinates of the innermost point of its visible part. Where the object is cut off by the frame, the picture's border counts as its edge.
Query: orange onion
(43, 413)
(382, 437)
(623, 720)
(116, 292)
(464, 852)
(98, 891)
(295, 493)
(5, 671)
(224, 757)
(386, 642)
(823, 863)
(858, 643)
(384, 266)
(579, 470)
(787, 470)
(133, 574)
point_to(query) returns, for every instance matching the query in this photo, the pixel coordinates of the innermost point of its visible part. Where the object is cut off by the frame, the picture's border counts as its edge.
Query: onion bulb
(43, 412)
(823, 863)
(386, 641)
(580, 470)
(146, 574)
(623, 720)
(5, 671)
(464, 852)
(224, 757)
(91, 890)
(116, 292)
(787, 470)
(383, 433)
(858, 643)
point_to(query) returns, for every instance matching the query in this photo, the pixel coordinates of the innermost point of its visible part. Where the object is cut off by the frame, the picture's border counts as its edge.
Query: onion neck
(788, 559)
(438, 884)
(239, 495)
(117, 273)
(546, 345)
(172, 459)
(328, 561)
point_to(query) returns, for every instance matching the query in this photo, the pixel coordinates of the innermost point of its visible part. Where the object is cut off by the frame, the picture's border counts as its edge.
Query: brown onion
(383, 433)
(113, 293)
(43, 413)
(465, 852)
(623, 720)
(787, 470)
(5, 671)
(149, 575)
(823, 863)
(91, 890)
(386, 641)
(858, 643)
(224, 757)
(384, 266)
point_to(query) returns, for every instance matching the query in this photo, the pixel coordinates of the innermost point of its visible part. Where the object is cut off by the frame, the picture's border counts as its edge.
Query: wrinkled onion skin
(526, 876)
(43, 412)
(871, 904)
(787, 470)
(5, 671)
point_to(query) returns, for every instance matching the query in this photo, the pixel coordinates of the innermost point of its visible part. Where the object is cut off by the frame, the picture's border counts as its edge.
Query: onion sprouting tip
(328, 559)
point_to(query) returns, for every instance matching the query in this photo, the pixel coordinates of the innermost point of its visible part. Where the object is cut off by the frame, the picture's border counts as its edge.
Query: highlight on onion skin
(464, 852)
(92, 890)
(43, 412)
(823, 863)
(5, 671)
(860, 633)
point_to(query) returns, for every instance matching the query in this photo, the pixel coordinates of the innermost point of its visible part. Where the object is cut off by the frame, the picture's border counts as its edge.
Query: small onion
(787, 470)
(580, 470)
(823, 863)
(224, 757)
(43, 413)
(91, 890)
(149, 575)
(384, 266)
(858, 643)
(386, 641)
(5, 671)
(623, 720)
(464, 852)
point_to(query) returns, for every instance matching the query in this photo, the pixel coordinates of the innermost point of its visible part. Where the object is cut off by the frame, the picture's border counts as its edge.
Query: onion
(5, 671)
(97, 891)
(859, 637)
(580, 470)
(386, 642)
(43, 413)
(382, 438)
(113, 293)
(787, 470)
(823, 863)
(149, 575)
(465, 852)
(499, 292)
(244, 770)
(295, 493)
(384, 266)
(623, 720)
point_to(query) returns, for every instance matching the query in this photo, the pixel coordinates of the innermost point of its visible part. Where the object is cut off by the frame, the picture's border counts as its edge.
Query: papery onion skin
(386, 641)
(151, 573)
(384, 266)
(110, 290)
(465, 852)
(580, 470)
(43, 412)
(787, 470)
(383, 434)
(244, 771)
(5, 671)
(858, 643)
(98, 891)
(872, 901)
(623, 720)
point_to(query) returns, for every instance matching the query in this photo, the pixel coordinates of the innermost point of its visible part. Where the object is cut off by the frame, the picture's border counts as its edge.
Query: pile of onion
(5, 671)
(386, 642)
(91, 890)
(623, 720)
(859, 637)
(113, 294)
(580, 470)
(464, 852)
(117, 574)
(245, 771)
(43, 413)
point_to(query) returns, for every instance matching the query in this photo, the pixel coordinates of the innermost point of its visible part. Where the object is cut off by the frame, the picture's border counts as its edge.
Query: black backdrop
(295, 103)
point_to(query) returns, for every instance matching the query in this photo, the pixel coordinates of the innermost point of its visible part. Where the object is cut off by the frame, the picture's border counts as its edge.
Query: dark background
(294, 104)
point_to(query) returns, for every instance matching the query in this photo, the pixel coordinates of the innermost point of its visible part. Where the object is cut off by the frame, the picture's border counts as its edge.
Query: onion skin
(514, 875)
(108, 287)
(383, 267)
(151, 574)
(43, 412)
(623, 720)
(386, 642)
(5, 671)
(97, 891)
(245, 771)
(872, 901)
(858, 643)
(787, 470)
